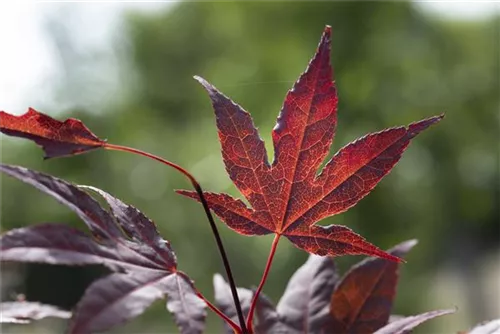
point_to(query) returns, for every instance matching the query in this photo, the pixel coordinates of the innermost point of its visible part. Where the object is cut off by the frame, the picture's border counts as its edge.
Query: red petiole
(262, 282)
(242, 328)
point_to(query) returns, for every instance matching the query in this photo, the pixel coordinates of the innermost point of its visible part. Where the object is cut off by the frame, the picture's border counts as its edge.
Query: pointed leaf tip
(203, 82)
(401, 249)
(328, 30)
(212, 91)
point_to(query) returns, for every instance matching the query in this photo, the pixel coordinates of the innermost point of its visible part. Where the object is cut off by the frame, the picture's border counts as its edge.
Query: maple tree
(287, 198)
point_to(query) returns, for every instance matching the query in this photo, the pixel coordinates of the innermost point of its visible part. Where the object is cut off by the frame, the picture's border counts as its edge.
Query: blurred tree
(393, 65)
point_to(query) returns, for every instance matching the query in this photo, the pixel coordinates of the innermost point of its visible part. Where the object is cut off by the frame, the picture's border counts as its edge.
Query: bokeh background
(126, 71)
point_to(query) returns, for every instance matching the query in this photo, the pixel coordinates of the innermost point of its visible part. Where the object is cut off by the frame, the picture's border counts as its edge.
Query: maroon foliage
(288, 197)
(362, 301)
(56, 138)
(124, 240)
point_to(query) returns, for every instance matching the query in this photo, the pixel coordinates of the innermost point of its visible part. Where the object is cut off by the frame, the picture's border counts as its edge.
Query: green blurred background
(393, 64)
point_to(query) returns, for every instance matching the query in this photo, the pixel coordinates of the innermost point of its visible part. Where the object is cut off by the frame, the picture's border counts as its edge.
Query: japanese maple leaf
(288, 197)
(124, 240)
(55, 137)
(224, 300)
(316, 300)
(305, 304)
(362, 300)
(303, 308)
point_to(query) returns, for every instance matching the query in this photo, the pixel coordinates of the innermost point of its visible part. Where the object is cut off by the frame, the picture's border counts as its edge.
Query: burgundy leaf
(406, 325)
(188, 309)
(64, 245)
(119, 297)
(224, 300)
(97, 219)
(125, 241)
(269, 320)
(362, 301)
(488, 327)
(137, 226)
(23, 312)
(288, 197)
(56, 138)
(305, 304)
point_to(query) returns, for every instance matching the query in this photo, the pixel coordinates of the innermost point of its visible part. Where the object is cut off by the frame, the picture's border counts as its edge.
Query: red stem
(215, 231)
(151, 156)
(234, 326)
(262, 282)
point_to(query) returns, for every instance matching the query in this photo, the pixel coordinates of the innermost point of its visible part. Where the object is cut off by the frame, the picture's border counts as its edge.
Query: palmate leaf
(288, 197)
(304, 306)
(124, 240)
(362, 301)
(317, 301)
(23, 312)
(55, 137)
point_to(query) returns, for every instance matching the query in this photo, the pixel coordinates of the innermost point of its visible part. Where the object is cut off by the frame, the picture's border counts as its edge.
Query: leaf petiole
(262, 282)
(234, 326)
(215, 231)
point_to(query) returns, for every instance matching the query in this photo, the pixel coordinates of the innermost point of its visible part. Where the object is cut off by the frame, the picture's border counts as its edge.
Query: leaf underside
(304, 306)
(407, 324)
(362, 301)
(124, 240)
(224, 300)
(289, 196)
(317, 301)
(488, 327)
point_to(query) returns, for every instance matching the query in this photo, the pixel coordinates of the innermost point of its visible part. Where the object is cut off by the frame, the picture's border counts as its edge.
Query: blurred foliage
(393, 65)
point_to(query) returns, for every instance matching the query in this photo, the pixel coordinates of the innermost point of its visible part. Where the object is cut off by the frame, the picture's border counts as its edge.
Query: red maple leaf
(288, 197)
(55, 137)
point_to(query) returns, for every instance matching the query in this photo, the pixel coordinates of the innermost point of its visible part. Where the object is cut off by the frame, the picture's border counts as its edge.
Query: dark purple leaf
(61, 244)
(406, 325)
(224, 300)
(268, 319)
(188, 309)
(24, 312)
(305, 305)
(97, 219)
(362, 301)
(137, 226)
(122, 296)
(125, 241)
(488, 327)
